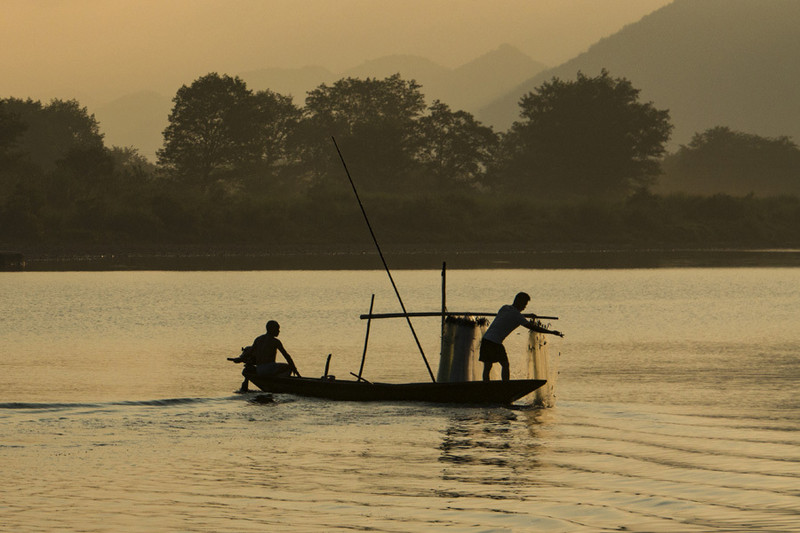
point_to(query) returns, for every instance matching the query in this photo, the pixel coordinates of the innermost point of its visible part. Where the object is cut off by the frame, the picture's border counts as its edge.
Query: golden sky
(100, 49)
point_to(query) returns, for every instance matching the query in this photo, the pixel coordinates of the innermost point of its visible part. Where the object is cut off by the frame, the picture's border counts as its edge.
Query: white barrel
(461, 340)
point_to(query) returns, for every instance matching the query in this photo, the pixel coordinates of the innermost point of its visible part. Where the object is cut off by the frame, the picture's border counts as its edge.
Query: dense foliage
(244, 168)
(590, 137)
(218, 127)
(373, 122)
(722, 160)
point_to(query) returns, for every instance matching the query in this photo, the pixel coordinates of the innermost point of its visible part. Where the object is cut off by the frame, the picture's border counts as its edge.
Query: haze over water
(676, 409)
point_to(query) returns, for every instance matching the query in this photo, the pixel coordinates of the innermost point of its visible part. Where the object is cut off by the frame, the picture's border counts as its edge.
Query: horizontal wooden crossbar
(439, 313)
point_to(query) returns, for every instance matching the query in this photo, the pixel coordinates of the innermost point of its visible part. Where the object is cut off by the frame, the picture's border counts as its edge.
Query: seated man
(260, 356)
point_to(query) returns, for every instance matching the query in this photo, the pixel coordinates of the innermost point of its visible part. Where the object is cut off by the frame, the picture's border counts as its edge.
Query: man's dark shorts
(491, 352)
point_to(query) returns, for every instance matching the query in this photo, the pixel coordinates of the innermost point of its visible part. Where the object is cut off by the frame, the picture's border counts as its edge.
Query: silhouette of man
(508, 318)
(260, 356)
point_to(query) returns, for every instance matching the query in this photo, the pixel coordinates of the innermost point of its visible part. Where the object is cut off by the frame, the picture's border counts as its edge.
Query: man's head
(521, 300)
(273, 328)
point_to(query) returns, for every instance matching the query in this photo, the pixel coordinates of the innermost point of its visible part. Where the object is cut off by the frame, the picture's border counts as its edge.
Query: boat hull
(468, 392)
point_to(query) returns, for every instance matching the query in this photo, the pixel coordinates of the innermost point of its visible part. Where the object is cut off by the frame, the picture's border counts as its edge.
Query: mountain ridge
(710, 62)
(138, 119)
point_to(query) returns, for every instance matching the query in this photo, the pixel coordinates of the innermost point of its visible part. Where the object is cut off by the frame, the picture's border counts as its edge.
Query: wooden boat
(466, 392)
(448, 391)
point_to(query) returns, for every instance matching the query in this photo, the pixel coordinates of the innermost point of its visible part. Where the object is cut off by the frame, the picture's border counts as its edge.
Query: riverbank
(352, 257)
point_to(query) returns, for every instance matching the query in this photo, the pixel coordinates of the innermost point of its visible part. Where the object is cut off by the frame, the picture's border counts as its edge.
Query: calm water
(677, 405)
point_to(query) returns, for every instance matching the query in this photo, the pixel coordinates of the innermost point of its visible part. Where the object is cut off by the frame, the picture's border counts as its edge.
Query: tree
(455, 148)
(219, 127)
(11, 128)
(56, 154)
(83, 172)
(373, 122)
(53, 130)
(129, 164)
(210, 128)
(276, 118)
(721, 160)
(589, 137)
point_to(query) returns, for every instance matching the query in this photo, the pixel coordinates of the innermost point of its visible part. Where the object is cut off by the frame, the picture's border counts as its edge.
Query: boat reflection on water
(497, 447)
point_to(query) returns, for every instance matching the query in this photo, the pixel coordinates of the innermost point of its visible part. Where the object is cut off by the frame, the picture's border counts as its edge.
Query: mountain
(467, 87)
(486, 78)
(431, 76)
(136, 120)
(139, 119)
(294, 82)
(409, 67)
(733, 63)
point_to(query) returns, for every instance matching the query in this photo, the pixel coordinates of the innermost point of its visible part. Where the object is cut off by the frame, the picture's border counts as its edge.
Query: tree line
(244, 166)
(587, 137)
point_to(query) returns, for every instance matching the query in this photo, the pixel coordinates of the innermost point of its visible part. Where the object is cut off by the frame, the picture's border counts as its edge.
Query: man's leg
(244, 388)
(274, 370)
(506, 373)
(487, 369)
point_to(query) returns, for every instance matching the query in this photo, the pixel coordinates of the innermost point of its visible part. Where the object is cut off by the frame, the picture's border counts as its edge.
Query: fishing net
(542, 365)
(461, 338)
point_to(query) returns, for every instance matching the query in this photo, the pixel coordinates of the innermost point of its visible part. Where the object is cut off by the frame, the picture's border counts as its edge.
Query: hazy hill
(136, 119)
(486, 78)
(409, 66)
(295, 82)
(467, 87)
(710, 62)
(139, 119)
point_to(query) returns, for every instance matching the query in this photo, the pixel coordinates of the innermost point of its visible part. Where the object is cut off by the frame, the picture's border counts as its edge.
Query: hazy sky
(96, 50)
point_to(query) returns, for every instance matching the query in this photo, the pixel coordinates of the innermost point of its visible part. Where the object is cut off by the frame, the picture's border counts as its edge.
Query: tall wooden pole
(444, 300)
(383, 260)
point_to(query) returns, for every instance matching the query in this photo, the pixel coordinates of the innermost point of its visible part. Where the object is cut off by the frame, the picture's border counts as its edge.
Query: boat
(465, 392)
(456, 383)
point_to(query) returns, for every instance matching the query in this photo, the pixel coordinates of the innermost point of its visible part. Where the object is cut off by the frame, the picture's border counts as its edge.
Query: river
(676, 410)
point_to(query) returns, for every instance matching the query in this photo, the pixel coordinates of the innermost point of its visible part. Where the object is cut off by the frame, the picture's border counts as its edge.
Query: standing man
(506, 321)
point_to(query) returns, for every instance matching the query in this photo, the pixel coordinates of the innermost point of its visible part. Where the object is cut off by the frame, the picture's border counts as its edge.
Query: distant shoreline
(403, 258)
